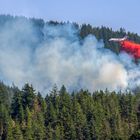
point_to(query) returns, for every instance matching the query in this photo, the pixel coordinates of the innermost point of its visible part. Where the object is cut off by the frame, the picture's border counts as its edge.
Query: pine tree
(38, 127)
(17, 111)
(28, 96)
(10, 130)
(28, 135)
(79, 120)
(17, 134)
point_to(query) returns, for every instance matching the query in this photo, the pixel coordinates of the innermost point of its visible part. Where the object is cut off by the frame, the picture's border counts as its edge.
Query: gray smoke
(61, 59)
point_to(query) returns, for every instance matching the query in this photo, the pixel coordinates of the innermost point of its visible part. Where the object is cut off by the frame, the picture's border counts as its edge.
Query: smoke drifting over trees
(79, 57)
(45, 54)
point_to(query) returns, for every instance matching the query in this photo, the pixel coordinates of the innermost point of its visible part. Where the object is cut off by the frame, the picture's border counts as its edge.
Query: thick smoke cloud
(60, 58)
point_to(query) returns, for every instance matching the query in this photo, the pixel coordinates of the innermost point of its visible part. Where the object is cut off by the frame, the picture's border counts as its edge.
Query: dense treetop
(63, 115)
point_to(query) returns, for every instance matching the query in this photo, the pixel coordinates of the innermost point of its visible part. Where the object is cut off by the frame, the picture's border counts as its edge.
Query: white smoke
(61, 59)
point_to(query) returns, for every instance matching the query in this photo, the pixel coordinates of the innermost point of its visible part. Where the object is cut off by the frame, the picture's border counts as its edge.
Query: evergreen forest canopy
(25, 114)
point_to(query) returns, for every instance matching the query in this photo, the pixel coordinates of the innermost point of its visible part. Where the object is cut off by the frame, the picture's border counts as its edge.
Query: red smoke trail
(131, 48)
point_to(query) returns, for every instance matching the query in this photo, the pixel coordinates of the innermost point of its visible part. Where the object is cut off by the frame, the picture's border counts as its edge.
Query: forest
(26, 114)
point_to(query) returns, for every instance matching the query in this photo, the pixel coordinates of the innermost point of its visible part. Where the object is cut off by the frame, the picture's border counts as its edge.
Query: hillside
(104, 33)
(61, 113)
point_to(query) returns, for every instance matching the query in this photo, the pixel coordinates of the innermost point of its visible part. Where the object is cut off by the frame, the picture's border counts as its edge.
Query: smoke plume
(60, 58)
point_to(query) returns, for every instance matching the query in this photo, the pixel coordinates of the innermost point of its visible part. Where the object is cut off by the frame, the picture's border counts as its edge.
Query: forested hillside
(63, 115)
(102, 115)
(101, 33)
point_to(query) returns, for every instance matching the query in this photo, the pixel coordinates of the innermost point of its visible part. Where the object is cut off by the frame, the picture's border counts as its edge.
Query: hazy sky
(111, 13)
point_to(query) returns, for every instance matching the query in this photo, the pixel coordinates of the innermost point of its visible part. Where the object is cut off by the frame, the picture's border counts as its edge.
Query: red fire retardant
(131, 48)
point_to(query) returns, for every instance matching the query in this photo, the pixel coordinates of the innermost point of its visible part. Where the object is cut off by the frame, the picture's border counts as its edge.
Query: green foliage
(28, 95)
(17, 132)
(105, 33)
(61, 115)
(17, 107)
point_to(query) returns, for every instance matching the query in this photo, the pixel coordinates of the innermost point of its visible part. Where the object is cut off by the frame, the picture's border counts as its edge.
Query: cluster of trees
(62, 115)
(106, 33)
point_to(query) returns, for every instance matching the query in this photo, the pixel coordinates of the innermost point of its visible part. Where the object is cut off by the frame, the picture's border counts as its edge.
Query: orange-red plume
(131, 48)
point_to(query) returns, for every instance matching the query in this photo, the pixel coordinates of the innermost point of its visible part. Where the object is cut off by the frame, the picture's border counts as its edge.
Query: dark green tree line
(63, 115)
